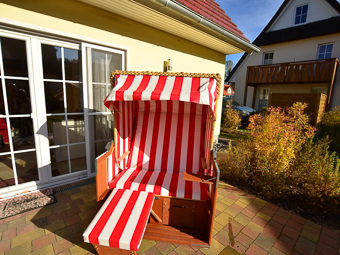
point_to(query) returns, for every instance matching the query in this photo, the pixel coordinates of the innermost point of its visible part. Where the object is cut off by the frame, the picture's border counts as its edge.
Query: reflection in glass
(18, 97)
(26, 165)
(51, 56)
(99, 94)
(103, 63)
(103, 127)
(22, 133)
(59, 161)
(76, 128)
(56, 130)
(6, 171)
(74, 96)
(54, 97)
(2, 102)
(72, 65)
(78, 159)
(4, 138)
(99, 147)
(14, 57)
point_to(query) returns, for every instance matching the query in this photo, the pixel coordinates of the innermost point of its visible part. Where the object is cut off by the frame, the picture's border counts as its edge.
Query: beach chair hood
(135, 86)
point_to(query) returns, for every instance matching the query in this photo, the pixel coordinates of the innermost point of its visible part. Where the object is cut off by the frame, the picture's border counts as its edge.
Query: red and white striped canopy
(148, 87)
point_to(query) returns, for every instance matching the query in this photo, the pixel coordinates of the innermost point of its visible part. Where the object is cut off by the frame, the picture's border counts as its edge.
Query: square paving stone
(305, 246)
(229, 251)
(265, 242)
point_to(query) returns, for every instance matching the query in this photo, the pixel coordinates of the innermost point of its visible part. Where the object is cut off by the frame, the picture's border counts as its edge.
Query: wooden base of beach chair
(104, 250)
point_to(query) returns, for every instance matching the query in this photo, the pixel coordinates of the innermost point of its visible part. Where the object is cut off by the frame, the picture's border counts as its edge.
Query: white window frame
(86, 77)
(294, 17)
(33, 39)
(263, 57)
(324, 44)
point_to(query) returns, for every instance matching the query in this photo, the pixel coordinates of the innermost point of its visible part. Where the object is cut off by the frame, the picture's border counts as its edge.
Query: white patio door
(18, 142)
(62, 106)
(100, 62)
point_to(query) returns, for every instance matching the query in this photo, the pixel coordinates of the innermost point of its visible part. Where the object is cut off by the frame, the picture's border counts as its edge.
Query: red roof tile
(212, 11)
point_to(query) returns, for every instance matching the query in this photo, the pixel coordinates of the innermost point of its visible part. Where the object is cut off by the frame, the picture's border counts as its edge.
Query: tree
(228, 67)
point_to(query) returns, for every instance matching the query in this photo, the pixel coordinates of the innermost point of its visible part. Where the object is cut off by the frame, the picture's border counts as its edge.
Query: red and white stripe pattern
(112, 168)
(168, 137)
(160, 183)
(145, 87)
(124, 124)
(207, 139)
(121, 221)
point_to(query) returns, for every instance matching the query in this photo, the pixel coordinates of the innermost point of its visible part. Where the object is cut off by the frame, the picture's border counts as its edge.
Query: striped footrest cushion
(121, 221)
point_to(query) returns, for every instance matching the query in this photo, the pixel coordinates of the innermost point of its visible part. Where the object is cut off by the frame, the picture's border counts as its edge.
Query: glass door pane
(63, 90)
(101, 62)
(17, 143)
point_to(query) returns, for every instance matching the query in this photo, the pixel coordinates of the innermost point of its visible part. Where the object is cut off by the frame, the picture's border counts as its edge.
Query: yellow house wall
(147, 47)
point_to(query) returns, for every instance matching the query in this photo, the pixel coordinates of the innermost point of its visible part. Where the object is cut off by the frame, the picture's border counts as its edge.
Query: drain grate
(74, 186)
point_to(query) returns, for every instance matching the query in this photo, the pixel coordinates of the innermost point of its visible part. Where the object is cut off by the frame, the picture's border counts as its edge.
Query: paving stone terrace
(244, 224)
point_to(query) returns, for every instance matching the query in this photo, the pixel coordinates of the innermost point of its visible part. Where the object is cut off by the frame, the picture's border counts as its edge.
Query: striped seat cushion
(121, 221)
(160, 183)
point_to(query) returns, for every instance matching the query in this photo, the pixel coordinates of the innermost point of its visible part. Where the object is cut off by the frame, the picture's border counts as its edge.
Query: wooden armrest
(198, 178)
(123, 156)
(204, 163)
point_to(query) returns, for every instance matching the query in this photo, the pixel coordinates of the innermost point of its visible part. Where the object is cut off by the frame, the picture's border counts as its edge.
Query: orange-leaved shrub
(331, 127)
(281, 160)
(231, 118)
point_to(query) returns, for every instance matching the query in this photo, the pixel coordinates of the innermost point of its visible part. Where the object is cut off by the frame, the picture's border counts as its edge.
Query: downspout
(247, 46)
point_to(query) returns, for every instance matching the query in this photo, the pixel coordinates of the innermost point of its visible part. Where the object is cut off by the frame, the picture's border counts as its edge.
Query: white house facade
(301, 33)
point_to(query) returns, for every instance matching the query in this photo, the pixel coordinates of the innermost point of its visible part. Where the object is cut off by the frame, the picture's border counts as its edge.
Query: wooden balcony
(316, 71)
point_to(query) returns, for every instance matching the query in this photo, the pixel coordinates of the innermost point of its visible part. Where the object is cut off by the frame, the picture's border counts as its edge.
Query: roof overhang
(176, 19)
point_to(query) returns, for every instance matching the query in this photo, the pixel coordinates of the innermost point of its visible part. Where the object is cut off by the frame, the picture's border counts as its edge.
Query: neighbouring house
(55, 64)
(228, 91)
(300, 47)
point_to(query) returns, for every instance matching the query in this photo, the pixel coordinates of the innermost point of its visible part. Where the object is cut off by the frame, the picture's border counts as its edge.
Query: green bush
(231, 118)
(331, 127)
(280, 160)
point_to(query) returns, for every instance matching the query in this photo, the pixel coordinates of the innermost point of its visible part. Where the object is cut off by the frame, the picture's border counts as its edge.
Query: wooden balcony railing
(317, 71)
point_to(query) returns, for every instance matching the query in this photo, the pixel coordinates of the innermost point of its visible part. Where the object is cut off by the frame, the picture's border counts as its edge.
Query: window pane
(51, 57)
(56, 130)
(6, 171)
(59, 161)
(78, 159)
(305, 9)
(74, 95)
(103, 63)
(322, 49)
(103, 128)
(297, 20)
(22, 133)
(18, 97)
(26, 165)
(72, 65)
(76, 128)
(4, 138)
(54, 96)
(99, 147)
(303, 18)
(2, 103)
(14, 57)
(329, 48)
(99, 94)
(298, 10)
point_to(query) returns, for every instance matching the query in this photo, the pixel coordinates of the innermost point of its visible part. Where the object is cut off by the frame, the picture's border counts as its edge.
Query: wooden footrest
(121, 221)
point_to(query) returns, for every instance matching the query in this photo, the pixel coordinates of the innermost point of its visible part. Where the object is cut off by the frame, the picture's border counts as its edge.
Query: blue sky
(250, 16)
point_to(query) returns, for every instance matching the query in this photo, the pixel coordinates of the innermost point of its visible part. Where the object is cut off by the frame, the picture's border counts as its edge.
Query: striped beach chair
(159, 179)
